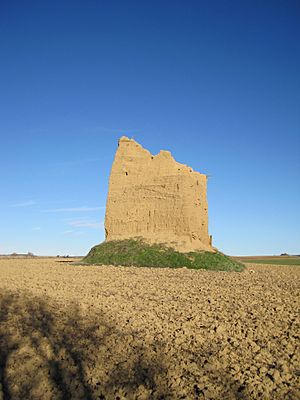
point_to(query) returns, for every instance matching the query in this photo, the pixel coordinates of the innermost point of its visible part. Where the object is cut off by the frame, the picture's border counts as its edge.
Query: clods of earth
(88, 332)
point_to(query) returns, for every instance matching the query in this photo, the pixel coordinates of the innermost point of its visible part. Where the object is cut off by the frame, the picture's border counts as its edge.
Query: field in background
(275, 260)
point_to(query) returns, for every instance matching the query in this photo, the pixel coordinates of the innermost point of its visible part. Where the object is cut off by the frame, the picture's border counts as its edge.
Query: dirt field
(76, 332)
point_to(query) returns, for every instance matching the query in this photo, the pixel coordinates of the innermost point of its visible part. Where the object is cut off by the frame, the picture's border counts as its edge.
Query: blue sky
(215, 82)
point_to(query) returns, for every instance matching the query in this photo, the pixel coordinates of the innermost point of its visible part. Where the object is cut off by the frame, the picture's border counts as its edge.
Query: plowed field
(87, 332)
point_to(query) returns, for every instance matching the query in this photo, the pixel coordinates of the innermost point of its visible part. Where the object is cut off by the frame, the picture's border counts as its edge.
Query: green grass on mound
(137, 253)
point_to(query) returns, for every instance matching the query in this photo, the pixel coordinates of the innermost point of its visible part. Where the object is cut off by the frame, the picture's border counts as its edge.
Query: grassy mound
(137, 253)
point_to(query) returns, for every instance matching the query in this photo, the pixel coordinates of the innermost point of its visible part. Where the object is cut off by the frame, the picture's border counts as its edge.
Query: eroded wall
(156, 198)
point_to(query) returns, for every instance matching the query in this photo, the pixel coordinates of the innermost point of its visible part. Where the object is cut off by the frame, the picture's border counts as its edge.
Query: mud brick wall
(156, 198)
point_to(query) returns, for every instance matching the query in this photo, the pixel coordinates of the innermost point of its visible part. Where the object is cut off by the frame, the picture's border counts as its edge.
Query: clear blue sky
(215, 82)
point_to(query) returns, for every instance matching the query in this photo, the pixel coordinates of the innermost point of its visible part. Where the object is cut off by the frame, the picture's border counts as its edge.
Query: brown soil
(86, 332)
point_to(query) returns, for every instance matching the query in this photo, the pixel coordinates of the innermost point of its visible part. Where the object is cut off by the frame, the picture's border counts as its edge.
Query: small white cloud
(73, 209)
(86, 224)
(71, 232)
(24, 204)
(79, 233)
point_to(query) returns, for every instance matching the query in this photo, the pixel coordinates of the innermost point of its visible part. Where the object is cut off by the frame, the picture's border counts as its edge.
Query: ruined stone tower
(156, 198)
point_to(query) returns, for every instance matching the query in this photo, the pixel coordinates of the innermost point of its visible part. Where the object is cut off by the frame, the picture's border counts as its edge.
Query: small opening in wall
(126, 173)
